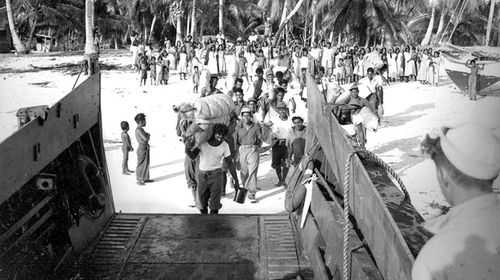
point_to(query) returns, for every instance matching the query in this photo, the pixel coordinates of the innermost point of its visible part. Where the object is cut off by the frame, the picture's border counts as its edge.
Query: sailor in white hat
(466, 241)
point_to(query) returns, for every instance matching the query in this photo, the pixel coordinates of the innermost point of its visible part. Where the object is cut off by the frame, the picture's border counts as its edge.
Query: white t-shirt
(211, 157)
(367, 87)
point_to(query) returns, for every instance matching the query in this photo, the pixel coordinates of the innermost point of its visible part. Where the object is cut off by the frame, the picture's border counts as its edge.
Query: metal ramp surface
(197, 247)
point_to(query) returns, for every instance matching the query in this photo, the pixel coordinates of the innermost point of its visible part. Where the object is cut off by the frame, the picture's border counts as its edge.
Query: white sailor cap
(473, 149)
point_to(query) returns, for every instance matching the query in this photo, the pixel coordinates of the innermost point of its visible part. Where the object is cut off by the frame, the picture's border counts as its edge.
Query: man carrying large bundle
(466, 241)
(210, 175)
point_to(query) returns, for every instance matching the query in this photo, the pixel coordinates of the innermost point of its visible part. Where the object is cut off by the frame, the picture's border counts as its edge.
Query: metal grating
(111, 252)
(284, 258)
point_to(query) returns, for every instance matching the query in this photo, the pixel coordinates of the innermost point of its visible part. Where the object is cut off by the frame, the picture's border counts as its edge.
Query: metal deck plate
(198, 247)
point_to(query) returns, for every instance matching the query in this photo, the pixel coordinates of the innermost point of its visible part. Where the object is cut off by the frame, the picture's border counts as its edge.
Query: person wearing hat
(296, 140)
(466, 241)
(214, 79)
(249, 136)
(280, 127)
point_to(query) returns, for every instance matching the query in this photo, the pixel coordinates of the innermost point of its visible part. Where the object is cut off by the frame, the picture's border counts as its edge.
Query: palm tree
(284, 22)
(18, 45)
(90, 48)
(490, 21)
(193, 18)
(428, 33)
(363, 19)
(221, 22)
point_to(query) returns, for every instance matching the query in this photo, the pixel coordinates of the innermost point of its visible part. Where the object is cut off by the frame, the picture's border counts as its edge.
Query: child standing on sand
(196, 79)
(159, 70)
(474, 69)
(126, 147)
(152, 67)
(144, 70)
(142, 171)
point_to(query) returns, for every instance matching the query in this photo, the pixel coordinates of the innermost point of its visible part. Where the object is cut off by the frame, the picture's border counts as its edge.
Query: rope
(347, 224)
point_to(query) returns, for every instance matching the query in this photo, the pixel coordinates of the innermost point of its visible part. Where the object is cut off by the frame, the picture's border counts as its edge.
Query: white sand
(411, 110)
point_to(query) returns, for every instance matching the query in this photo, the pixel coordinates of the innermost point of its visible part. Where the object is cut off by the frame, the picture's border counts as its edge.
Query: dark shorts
(279, 154)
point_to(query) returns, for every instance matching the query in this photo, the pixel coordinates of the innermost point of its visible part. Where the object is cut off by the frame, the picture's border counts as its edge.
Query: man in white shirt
(466, 241)
(370, 88)
(279, 130)
(210, 176)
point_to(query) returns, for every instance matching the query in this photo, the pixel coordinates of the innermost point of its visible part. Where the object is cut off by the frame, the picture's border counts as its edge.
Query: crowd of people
(344, 64)
(268, 88)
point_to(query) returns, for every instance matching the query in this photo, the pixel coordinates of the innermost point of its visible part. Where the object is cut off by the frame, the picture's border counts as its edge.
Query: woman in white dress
(424, 66)
(296, 61)
(212, 61)
(361, 64)
(410, 70)
(392, 65)
(265, 49)
(183, 64)
(400, 62)
(250, 57)
(171, 57)
(221, 56)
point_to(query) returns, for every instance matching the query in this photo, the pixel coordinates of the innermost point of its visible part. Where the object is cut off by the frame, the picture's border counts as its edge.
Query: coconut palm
(89, 28)
(18, 45)
(363, 19)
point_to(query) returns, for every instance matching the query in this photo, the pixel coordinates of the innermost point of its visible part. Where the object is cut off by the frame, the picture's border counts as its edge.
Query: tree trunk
(145, 38)
(89, 27)
(283, 13)
(202, 23)
(490, 21)
(221, 26)
(178, 35)
(428, 34)
(152, 27)
(32, 32)
(498, 33)
(290, 15)
(314, 18)
(331, 36)
(368, 35)
(441, 25)
(193, 19)
(18, 45)
(340, 39)
(188, 24)
(283, 17)
(116, 41)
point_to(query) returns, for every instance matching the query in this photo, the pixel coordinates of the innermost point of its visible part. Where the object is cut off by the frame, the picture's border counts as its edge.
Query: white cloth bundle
(215, 106)
(367, 118)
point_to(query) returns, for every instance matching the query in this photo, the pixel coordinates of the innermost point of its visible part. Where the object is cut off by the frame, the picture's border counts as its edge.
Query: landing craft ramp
(197, 247)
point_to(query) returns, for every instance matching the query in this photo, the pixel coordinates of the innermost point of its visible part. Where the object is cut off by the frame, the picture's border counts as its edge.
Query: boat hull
(459, 73)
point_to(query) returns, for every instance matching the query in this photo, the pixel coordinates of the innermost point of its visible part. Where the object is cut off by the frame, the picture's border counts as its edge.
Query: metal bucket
(240, 196)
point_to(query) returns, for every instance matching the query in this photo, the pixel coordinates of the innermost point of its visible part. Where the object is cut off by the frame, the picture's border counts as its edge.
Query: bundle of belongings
(205, 112)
